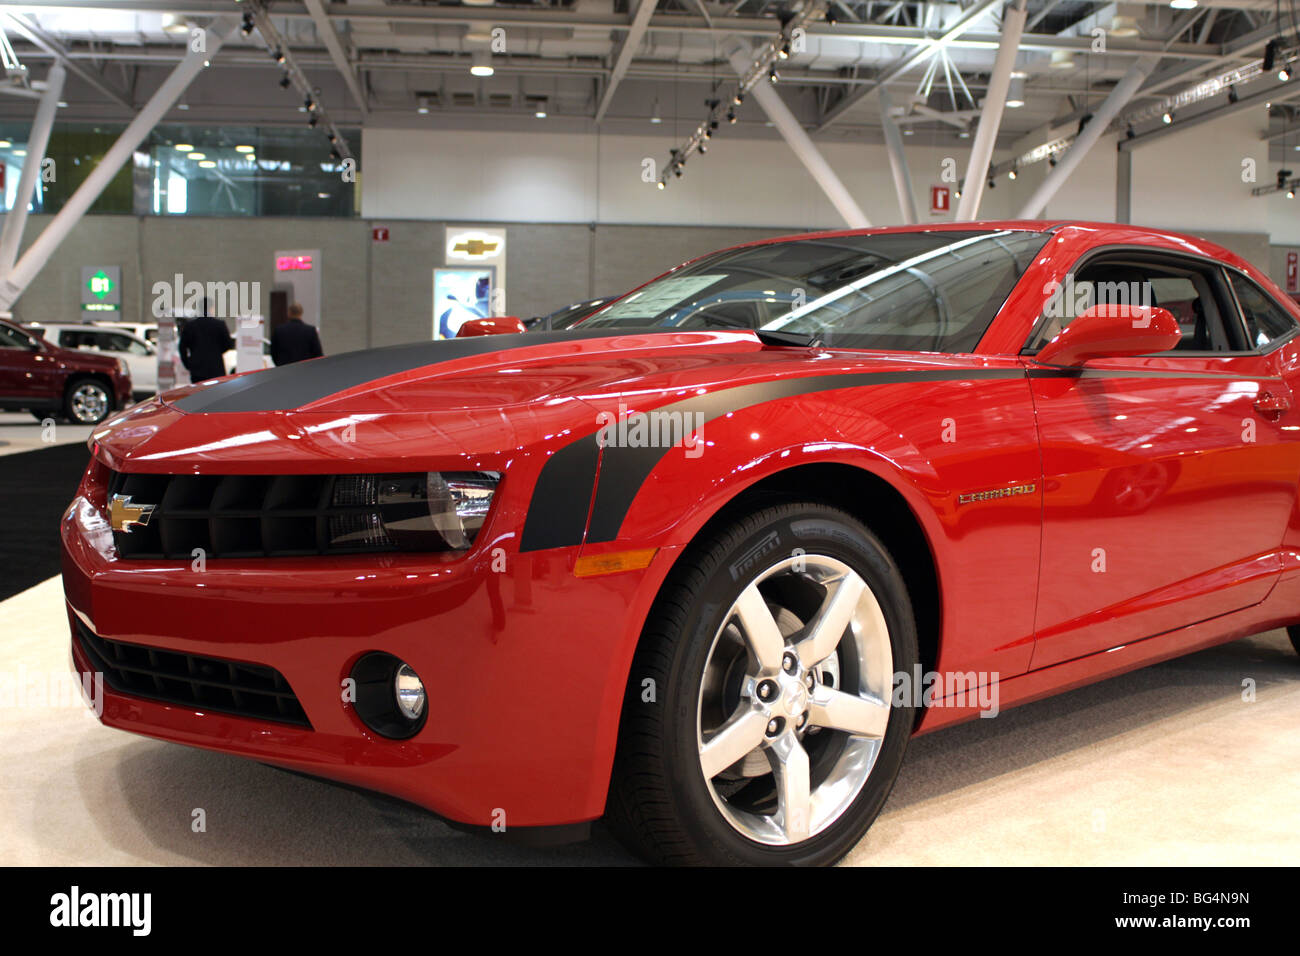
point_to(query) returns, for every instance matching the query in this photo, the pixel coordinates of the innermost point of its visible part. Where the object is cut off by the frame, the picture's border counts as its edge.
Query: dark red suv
(44, 379)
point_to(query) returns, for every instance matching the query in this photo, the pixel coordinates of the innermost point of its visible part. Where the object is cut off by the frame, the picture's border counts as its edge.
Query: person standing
(202, 342)
(295, 340)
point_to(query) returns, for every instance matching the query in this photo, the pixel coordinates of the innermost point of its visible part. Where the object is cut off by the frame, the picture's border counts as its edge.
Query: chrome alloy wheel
(794, 700)
(89, 403)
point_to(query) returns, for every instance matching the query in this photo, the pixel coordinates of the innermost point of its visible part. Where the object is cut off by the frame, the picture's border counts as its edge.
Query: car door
(1168, 479)
(27, 370)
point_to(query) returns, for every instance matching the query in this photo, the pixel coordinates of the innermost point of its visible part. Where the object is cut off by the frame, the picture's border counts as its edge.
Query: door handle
(1273, 406)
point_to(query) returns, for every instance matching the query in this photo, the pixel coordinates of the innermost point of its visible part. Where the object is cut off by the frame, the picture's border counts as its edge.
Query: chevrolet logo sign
(123, 515)
(475, 247)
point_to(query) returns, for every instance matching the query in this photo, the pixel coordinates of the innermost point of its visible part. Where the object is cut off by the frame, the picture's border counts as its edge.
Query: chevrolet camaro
(704, 564)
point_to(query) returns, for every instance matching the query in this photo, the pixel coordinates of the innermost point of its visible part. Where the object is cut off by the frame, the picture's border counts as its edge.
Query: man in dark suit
(202, 342)
(295, 340)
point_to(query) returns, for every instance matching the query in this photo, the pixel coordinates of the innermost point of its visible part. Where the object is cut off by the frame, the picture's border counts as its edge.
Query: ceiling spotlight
(678, 171)
(660, 184)
(244, 149)
(956, 194)
(961, 134)
(1290, 194)
(1051, 160)
(1183, 4)
(335, 154)
(248, 26)
(278, 55)
(313, 120)
(1062, 60)
(703, 149)
(309, 103)
(175, 24)
(541, 112)
(196, 156)
(772, 75)
(1012, 174)
(831, 19)
(992, 184)
(422, 105)
(284, 82)
(738, 98)
(1284, 74)
(708, 133)
(1016, 93)
(1123, 26)
(784, 52)
(481, 64)
(1270, 55)
(179, 147)
(1167, 117)
(1130, 133)
(207, 164)
(1232, 94)
(654, 114)
(731, 116)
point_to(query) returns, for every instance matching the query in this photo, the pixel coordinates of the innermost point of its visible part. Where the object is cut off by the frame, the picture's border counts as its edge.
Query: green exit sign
(101, 288)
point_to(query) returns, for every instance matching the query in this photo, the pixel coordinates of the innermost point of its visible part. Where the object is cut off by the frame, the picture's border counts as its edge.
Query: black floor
(35, 488)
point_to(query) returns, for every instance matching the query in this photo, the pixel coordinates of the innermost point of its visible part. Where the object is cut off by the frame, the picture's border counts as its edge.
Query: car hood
(467, 403)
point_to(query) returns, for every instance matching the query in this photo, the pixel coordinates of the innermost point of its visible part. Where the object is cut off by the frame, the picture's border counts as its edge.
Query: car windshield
(904, 291)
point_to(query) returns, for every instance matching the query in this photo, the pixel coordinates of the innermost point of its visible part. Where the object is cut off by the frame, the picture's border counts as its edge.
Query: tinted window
(930, 291)
(1265, 319)
(13, 339)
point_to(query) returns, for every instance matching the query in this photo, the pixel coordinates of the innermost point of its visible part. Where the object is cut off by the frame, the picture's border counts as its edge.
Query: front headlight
(421, 511)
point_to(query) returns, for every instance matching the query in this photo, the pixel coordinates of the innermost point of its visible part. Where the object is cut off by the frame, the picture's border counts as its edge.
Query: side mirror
(1109, 331)
(496, 325)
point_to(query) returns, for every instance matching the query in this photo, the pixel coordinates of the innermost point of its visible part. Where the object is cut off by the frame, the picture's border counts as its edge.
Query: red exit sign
(293, 264)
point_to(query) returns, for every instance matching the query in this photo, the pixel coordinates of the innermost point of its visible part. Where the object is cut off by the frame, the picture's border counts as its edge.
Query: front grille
(199, 683)
(233, 516)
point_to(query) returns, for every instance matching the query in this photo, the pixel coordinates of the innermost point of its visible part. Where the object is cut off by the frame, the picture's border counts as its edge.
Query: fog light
(409, 691)
(389, 696)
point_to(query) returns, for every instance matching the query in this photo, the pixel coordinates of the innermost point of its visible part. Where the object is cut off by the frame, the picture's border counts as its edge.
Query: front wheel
(87, 402)
(758, 726)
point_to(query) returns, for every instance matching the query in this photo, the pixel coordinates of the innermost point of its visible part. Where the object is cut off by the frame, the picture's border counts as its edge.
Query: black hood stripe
(292, 386)
(557, 513)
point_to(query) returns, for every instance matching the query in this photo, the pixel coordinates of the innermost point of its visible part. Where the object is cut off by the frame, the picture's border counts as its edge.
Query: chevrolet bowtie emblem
(123, 515)
(475, 247)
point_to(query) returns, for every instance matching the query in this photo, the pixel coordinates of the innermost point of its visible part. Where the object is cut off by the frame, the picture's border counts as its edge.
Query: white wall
(539, 177)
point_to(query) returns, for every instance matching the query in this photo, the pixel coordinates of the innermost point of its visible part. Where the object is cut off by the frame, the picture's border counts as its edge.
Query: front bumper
(525, 667)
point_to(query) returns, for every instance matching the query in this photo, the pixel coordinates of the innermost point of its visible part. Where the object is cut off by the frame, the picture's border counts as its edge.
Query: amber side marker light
(592, 565)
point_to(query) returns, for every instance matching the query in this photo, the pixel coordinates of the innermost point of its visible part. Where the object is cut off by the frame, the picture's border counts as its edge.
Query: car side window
(1191, 292)
(13, 339)
(1265, 319)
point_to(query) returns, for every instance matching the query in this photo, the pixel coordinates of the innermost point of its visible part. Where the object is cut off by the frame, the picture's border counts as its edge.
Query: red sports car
(704, 564)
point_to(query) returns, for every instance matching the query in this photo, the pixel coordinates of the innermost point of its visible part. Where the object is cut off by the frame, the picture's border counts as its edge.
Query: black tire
(660, 804)
(1293, 632)
(41, 416)
(87, 401)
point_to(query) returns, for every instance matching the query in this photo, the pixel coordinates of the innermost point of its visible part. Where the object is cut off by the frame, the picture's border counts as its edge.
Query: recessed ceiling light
(184, 147)
(243, 149)
(207, 164)
(481, 65)
(5, 144)
(196, 156)
(1183, 4)
(20, 152)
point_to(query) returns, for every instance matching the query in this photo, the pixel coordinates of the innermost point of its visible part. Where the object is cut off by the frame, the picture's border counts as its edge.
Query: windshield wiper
(800, 339)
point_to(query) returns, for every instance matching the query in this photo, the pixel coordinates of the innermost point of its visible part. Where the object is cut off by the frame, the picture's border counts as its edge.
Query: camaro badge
(995, 493)
(123, 515)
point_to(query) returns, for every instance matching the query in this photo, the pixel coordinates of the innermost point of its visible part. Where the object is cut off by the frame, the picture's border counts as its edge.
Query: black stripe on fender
(292, 386)
(564, 488)
(623, 470)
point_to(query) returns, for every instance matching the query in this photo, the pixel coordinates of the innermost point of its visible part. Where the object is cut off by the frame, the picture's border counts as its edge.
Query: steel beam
(38, 254)
(631, 43)
(329, 36)
(37, 140)
(741, 58)
(1096, 128)
(995, 101)
(39, 38)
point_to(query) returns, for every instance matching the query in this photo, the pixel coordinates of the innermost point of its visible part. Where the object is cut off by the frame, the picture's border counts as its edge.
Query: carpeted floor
(36, 487)
(1168, 765)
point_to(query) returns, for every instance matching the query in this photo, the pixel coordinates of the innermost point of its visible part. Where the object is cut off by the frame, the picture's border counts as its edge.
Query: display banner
(168, 354)
(248, 344)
